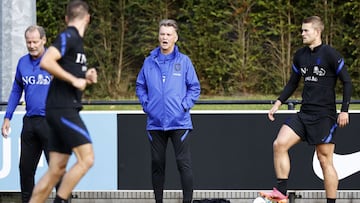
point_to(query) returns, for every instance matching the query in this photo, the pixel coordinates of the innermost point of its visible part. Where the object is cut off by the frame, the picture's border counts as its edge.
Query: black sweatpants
(181, 144)
(34, 140)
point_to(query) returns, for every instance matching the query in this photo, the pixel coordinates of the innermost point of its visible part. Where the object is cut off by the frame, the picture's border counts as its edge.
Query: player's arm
(50, 64)
(343, 117)
(273, 109)
(14, 98)
(286, 93)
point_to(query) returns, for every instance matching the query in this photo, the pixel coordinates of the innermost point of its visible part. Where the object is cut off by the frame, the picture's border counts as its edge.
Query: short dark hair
(77, 9)
(316, 21)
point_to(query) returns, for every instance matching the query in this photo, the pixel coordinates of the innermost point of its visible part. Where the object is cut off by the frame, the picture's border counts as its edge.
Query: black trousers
(34, 140)
(181, 144)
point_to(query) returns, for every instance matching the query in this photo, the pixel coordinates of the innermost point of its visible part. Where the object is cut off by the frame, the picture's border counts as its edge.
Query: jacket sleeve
(347, 87)
(15, 95)
(192, 86)
(141, 88)
(291, 86)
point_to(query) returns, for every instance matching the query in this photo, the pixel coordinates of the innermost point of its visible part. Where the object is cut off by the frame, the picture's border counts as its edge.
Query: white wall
(15, 17)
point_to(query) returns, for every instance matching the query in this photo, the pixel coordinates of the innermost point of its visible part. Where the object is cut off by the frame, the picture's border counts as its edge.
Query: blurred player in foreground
(66, 61)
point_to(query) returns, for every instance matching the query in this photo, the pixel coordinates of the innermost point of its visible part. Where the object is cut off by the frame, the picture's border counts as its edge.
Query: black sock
(59, 200)
(282, 185)
(330, 200)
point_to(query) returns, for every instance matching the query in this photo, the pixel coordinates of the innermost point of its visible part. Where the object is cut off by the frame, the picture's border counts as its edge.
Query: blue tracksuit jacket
(167, 97)
(34, 81)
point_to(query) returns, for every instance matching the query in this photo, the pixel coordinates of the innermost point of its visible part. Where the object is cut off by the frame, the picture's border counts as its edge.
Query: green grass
(112, 107)
(196, 107)
(199, 106)
(213, 106)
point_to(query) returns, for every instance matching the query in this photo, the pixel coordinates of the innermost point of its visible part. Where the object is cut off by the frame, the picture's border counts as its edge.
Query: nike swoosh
(345, 165)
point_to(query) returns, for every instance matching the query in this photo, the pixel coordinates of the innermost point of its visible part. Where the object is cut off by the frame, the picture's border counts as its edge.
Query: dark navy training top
(320, 68)
(34, 81)
(62, 94)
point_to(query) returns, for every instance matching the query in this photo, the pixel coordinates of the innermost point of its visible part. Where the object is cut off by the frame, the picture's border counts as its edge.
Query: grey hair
(40, 29)
(169, 22)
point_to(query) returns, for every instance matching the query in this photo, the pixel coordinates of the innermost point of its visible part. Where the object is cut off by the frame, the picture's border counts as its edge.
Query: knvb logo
(36, 80)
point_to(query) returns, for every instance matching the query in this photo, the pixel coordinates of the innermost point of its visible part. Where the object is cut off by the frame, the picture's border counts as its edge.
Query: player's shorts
(312, 128)
(67, 130)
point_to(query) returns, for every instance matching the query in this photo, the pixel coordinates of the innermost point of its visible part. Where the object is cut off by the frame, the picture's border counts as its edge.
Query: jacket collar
(156, 52)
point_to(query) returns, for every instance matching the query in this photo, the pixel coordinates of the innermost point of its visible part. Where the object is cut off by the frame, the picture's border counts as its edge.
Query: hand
(91, 76)
(80, 83)
(343, 119)
(5, 130)
(274, 108)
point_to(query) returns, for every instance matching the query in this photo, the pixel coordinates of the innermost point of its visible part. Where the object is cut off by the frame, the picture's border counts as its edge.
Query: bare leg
(85, 159)
(284, 141)
(57, 167)
(325, 157)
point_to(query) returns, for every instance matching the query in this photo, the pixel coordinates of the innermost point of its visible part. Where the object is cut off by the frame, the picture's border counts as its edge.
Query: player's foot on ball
(275, 196)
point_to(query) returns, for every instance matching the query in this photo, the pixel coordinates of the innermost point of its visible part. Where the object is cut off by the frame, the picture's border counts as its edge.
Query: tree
(206, 40)
(50, 15)
(273, 32)
(237, 46)
(350, 40)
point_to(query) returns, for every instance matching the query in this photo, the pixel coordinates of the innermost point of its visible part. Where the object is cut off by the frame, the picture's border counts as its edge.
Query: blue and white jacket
(34, 81)
(167, 96)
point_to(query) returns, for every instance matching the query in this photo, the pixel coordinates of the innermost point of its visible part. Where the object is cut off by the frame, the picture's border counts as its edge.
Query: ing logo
(36, 80)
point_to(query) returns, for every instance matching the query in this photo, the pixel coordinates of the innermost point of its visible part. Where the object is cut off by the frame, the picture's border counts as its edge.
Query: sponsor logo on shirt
(81, 59)
(317, 72)
(36, 80)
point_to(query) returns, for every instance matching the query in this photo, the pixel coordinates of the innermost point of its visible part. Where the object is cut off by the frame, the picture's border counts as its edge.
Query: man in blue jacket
(167, 87)
(31, 79)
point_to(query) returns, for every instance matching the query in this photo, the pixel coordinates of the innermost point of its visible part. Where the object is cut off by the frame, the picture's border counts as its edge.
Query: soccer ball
(261, 200)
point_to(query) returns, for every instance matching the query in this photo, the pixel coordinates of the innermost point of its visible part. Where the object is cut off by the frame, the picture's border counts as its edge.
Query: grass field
(212, 106)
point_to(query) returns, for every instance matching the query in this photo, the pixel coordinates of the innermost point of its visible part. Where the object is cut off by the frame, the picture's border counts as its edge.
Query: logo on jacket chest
(177, 69)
